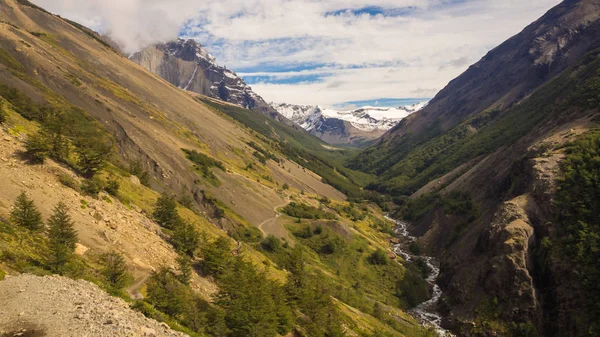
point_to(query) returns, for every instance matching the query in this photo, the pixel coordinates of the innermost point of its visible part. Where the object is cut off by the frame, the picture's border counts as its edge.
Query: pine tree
(184, 266)
(92, 154)
(165, 212)
(25, 213)
(166, 293)
(186, 238)
(216, 256)
(37, 147)
(115, 269)
(62, 237)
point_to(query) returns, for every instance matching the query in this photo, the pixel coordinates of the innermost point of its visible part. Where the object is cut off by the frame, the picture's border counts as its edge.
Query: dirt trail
(273, 227)
(134, 290)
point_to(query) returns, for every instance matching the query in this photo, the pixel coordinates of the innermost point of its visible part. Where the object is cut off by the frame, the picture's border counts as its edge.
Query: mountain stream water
(425, 312)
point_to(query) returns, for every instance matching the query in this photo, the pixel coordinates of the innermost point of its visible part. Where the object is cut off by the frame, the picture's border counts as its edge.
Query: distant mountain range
(346, 127)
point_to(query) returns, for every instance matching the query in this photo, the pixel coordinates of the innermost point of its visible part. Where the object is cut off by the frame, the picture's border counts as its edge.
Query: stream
(425, 312)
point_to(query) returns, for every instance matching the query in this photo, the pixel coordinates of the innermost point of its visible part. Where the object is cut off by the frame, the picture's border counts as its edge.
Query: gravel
(58, 306)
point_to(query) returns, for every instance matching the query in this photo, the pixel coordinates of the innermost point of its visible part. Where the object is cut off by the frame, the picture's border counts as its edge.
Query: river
(425, 312)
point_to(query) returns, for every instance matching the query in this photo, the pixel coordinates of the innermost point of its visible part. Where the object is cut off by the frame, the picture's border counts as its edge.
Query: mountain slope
(505, 76)
(353, 127)
(110, 136)
(478, 173)
(187, 65)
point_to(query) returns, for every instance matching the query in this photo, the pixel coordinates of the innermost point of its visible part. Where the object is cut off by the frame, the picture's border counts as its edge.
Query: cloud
(321, 51)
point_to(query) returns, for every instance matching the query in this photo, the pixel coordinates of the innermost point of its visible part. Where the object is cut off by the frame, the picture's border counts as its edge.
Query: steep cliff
(187, 65)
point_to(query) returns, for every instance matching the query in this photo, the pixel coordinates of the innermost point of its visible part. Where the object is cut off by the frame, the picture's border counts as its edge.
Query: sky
(325, 52)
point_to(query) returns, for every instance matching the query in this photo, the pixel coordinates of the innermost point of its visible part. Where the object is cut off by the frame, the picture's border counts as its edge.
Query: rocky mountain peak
(188, 50)
(188, 65)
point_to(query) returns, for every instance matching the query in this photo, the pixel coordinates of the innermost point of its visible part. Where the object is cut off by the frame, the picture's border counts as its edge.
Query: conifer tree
(165, 212)
(62, 237)
(37, 147)
(25, 213)
(184, 266)
(186, 238)
(115, 269)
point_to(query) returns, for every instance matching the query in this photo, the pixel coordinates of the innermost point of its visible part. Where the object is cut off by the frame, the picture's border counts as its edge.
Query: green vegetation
(578, 206)
(203, 164)
(306, 212)
(115, 270)
(363, 273)
(165, 212)
(407, 163)
(378, 257)
(186, 238)
(2, 116)
(455, 203)
(67, 134)
(26, 214)
(298, 146)
(137, 169)
(263, 154)
(62, 238)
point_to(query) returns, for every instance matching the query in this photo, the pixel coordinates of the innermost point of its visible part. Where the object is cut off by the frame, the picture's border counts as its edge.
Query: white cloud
(367, 56)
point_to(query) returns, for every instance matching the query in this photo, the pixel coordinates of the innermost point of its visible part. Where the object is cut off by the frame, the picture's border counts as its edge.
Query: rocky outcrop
(187, 65)
(59, 306)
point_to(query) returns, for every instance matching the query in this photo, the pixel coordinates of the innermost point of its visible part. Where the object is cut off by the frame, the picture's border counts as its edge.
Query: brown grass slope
(150, 119)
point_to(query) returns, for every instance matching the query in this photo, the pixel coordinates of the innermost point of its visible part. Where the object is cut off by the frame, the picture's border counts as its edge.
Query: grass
(410, 162)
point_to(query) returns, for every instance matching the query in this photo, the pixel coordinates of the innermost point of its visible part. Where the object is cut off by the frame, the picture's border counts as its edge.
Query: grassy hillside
(301, 147)
(417, 164)
(178, 189)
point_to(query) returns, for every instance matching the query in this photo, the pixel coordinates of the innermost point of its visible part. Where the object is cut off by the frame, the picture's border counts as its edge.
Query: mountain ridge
(341, 127)
(187, 65)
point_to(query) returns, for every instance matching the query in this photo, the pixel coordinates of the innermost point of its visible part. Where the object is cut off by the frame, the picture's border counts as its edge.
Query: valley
(162, 186)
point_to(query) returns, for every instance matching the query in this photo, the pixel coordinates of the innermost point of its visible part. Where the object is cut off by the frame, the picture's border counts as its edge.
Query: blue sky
(324, 52)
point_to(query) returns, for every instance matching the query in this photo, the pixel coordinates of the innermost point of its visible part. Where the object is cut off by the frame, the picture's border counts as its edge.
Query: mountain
(490, 173)
(345, 127)
(187, 65)
(195, 210)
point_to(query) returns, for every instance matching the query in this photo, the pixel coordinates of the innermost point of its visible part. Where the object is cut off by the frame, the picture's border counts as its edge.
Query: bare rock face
(185, 64)
(58, 306)
(508, 241)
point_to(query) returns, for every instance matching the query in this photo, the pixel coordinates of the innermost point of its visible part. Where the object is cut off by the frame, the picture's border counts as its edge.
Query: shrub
(68, 181)
(307, 212)
(271, 243)
(92, 186)
(413, 289)
(378, 257)
(112, 187)
(136, 168)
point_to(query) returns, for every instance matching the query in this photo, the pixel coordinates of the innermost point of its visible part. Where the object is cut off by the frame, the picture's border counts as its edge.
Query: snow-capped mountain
(187, 65)
(342, 127)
